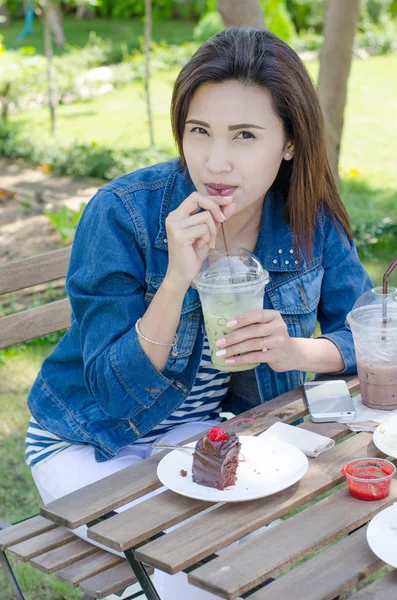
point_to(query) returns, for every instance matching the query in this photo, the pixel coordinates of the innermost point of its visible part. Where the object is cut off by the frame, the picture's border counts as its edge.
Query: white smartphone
(329, 401)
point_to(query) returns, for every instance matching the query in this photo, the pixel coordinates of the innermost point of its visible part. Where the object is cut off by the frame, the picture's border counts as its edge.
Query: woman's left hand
(259, 336)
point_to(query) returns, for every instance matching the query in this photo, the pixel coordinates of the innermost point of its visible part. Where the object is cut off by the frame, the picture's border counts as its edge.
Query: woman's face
(233, 142)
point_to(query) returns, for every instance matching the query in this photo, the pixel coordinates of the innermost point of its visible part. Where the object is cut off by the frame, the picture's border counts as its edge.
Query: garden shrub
(84, 160)
(208, 25)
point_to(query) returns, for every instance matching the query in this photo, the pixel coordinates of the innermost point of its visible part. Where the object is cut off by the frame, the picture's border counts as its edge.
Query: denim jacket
(98, 386)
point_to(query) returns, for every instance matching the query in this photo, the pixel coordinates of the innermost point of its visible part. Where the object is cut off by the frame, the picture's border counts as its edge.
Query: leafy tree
(278, 19)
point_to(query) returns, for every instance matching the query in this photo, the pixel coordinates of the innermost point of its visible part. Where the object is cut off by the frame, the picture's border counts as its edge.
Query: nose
(218, 160)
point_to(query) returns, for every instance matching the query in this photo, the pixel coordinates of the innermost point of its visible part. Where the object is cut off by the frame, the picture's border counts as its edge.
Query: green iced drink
(229, 285)
(215, 327)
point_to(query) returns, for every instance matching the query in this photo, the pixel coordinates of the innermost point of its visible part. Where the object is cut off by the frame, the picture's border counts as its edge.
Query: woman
(134, 366)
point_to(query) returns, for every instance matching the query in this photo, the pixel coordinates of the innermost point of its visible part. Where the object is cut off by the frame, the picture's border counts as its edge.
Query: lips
(219, 189)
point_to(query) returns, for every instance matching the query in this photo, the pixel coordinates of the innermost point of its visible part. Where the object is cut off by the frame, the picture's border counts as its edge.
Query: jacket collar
(275, 245)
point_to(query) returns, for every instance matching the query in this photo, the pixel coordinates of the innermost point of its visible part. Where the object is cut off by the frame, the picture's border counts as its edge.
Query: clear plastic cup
(369, 478)
(375, 342)
(229, 284)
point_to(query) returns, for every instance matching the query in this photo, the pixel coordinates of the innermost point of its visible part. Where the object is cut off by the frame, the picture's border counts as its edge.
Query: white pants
(76, 467)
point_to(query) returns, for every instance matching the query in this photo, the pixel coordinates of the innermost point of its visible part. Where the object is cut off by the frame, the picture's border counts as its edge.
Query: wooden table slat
(98, 498)
(382, 589)
(140, 522)
(164, 510)
(193, 541)
(322, 577)
(101, 497)
(57, 559)
(109, 582)
(24, 530)
(277, 548)
(41, 543)
(88, 567)
(336, 431)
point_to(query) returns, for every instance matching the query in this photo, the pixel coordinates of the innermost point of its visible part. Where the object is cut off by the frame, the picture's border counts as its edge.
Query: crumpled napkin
(368, 419)
(311, 444)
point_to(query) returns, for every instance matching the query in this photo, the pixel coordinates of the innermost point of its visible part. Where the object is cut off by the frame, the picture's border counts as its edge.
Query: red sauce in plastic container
(369, 478)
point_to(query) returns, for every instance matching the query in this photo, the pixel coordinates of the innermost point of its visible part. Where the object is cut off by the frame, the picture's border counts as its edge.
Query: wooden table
(244, 568)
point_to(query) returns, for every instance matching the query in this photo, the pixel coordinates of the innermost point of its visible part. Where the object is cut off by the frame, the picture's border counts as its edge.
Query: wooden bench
(46, 546)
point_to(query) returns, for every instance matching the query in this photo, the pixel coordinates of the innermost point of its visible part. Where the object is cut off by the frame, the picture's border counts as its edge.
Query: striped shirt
(41, 444)
(203, 403)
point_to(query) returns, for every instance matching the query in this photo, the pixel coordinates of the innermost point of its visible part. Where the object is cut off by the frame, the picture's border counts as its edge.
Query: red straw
(385, 287)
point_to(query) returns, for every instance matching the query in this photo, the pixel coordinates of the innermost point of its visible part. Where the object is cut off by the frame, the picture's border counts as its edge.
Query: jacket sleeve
(344, 281)
(106, 287)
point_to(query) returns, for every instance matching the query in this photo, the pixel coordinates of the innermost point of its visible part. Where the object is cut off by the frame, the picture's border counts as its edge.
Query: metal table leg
(11, 577)
(142, 576)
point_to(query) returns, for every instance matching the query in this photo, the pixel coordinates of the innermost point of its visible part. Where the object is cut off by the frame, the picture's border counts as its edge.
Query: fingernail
(222, 217)
(230, 361)
(227, 197)
(221, 342)
(232, 323)
(220, 353)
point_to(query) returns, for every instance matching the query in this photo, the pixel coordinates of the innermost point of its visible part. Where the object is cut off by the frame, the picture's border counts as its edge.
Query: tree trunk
(84, 12)
(50, 67)
(5, 20)
(239, 13)
(339, 30)
(148, 38)
(53, 11)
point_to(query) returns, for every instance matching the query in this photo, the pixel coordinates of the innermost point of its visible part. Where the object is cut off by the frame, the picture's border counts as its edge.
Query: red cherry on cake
(217, 434)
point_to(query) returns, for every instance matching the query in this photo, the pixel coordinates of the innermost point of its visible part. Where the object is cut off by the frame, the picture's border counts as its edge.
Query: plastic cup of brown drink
(375, 342)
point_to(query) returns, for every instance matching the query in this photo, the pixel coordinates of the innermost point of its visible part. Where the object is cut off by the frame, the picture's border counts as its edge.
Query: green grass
(369, 143)
(19, 498)
(117, 120)
(120, 31)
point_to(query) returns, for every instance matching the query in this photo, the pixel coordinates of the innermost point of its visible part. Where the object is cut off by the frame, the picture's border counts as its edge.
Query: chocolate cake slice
(215, 459)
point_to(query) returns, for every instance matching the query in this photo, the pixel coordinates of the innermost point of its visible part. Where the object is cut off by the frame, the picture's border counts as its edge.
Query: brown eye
(245, 135)
(200, 130)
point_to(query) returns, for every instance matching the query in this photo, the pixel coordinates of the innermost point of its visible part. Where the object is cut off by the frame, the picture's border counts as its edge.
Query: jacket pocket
(297, 300)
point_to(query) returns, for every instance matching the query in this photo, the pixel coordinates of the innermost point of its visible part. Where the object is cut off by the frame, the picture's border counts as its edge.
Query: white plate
(382, 535)
(385, 437)
(269, 467)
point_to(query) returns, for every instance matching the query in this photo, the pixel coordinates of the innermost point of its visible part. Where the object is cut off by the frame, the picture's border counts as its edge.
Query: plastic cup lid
(236, 271)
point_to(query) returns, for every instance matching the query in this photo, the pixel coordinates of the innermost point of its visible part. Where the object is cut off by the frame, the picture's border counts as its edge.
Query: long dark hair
(258, 57)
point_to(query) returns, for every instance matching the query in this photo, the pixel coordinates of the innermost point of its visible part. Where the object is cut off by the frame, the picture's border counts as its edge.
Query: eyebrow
(231, 127)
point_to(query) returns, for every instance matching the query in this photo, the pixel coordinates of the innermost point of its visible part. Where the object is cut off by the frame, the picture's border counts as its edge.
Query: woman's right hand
(191, 234)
